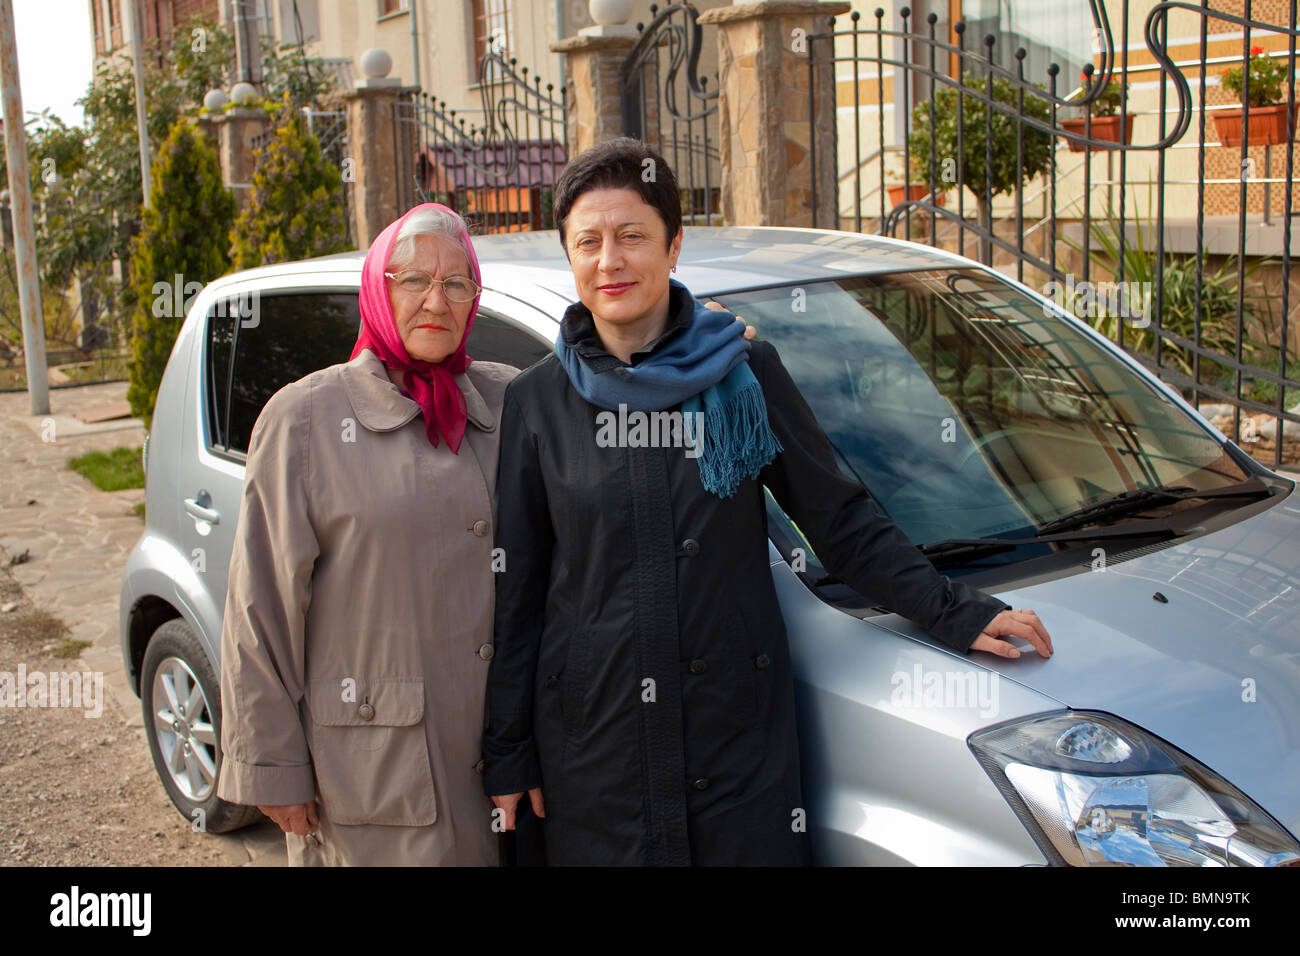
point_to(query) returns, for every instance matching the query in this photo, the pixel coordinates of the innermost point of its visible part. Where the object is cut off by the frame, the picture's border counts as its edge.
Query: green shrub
(973, 171)
(186, 233)
(297, 206)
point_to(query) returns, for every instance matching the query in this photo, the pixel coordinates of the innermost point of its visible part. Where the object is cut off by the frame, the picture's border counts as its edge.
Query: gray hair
(442, 224)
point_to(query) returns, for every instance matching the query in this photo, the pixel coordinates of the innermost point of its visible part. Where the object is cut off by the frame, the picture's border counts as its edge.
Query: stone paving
(77, 539)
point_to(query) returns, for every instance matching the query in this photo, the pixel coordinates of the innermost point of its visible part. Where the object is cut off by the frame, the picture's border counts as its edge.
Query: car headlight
(1095, 790)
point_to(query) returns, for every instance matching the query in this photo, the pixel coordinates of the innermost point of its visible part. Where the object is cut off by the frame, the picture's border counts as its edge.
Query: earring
(673, 269)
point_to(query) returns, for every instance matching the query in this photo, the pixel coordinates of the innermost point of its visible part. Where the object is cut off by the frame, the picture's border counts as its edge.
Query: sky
(54, 55)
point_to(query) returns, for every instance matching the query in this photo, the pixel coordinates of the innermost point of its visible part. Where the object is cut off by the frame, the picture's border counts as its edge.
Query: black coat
(641, 674)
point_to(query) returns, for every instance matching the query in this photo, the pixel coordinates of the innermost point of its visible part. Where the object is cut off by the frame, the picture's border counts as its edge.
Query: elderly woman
(641, 691)
(358, 616)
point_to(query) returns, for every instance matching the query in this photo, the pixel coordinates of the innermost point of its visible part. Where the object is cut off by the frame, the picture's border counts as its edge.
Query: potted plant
(1106, 117)
(915, 187)
(971, 169)
(1267, 106)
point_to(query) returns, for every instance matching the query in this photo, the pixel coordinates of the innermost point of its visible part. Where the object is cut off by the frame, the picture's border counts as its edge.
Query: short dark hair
(620, 163)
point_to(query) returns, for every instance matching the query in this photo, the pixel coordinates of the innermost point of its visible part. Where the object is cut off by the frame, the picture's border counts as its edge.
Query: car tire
(176, 680)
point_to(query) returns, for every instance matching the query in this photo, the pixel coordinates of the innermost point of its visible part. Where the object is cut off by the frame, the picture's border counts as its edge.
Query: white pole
(415, 45)
(141, 117)
(20, 201)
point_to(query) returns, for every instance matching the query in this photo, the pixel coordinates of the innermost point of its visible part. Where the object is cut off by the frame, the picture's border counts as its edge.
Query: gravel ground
(78, 790)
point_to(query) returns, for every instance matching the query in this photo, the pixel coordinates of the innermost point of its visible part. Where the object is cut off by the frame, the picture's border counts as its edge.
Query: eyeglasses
(455, 288)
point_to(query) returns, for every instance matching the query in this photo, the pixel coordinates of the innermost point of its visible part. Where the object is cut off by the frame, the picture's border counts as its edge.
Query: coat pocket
(370, 752)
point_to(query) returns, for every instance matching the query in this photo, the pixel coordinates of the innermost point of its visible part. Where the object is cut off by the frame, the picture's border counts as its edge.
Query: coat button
(701, 784)
(690, 547)
(486, 652)
(761, 661)
(481, 528)
(478, 767)
(366, 712)
(698, 667)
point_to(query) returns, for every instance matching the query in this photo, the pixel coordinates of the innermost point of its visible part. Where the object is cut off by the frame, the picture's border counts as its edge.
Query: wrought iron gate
(499, 173)
(668, 104)
(1057, 200)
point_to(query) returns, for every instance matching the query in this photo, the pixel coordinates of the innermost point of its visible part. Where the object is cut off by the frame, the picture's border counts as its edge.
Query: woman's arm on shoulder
(265, 755)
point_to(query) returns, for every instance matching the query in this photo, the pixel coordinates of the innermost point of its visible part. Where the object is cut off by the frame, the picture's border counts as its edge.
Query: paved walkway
(77, 538)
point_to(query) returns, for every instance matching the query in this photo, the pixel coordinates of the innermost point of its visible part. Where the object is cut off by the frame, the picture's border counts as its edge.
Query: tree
(977, 121)
(297, 206)
(93, 214)
(184, 242)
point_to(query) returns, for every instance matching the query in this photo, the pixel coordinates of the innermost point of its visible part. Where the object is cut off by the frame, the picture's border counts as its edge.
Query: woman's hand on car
(297, 818)
(508, 802)
(1016, 623)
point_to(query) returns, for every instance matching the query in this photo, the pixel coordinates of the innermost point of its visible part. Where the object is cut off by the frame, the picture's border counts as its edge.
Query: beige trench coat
(358, 620)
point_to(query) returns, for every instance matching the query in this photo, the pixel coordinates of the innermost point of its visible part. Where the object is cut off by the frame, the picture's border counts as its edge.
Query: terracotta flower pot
(1267, 125)
(1105, 128)
(914, 191)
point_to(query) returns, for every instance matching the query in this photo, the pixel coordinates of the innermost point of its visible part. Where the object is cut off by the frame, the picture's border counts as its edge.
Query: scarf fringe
(738, 428)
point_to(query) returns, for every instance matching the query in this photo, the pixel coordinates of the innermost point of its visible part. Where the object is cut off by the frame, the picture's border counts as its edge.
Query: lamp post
(20, 193)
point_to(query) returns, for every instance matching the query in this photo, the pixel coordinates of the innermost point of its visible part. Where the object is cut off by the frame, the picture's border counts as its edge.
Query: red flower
(1256, 50)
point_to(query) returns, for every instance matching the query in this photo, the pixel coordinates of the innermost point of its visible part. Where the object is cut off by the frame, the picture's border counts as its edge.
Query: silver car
(1022, 452)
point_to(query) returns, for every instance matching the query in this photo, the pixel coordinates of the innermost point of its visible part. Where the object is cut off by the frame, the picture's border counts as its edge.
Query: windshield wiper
(1142, 498)
(951, 548)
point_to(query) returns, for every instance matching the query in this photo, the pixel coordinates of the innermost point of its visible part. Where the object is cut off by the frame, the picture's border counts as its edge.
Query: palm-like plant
(1177, 311)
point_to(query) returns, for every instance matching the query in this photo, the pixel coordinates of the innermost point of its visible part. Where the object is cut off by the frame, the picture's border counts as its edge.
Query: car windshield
(970, 410)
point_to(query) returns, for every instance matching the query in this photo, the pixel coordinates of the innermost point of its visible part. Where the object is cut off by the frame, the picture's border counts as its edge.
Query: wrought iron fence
(330, 127)
(667, 103)
(499, 172)
(968, 122)
(68, 368)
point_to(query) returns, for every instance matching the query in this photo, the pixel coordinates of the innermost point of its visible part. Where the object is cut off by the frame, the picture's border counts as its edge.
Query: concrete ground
(77, 538)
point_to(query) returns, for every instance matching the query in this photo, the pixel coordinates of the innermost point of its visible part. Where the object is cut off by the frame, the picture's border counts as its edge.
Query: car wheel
(181, 700)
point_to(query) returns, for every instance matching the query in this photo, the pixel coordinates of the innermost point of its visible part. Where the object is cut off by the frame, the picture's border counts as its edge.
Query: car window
(285, 337)
(497, 339)
(221, 340)
(293, 334)
(968, 410)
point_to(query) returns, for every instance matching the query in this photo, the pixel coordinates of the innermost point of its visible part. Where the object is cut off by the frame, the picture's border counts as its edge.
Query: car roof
(714, 259)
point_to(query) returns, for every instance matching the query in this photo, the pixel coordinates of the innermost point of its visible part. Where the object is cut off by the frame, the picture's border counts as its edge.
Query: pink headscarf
(431, 384)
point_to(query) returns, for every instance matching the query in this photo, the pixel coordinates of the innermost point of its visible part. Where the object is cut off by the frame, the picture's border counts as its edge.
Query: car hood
(1215, 670)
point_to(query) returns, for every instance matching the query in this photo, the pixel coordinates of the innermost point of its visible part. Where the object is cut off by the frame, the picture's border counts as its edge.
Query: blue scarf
(703, 369)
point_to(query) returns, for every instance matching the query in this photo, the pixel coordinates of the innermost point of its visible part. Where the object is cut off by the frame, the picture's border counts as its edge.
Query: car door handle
(198, 506)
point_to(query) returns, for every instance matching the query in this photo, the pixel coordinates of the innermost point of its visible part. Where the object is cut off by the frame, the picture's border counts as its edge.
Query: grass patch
(139, 509)
(69, 648)
(36, 628)
(110, 471)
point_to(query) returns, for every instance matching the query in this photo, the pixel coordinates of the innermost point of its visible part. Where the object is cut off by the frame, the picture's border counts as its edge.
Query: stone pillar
(381, 149)
(766, 124)
(373, 135)
(236, 130)
(592, 63)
